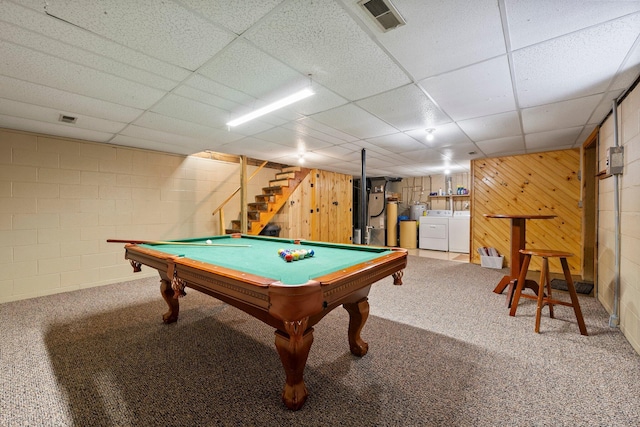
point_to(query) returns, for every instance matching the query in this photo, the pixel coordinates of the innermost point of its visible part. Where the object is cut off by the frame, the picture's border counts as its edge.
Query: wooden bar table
(518, 240)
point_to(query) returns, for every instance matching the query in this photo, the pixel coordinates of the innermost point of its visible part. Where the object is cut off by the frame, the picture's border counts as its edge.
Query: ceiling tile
(192, 111)
(30, 40)
(323, 99)
(374, 163)
(338, 152)
(575, 112)
(251, 71)
(458, 151)
(373, 151)
(303, 130)
(234, 15)
(443, 136)
(36, 94)
(604, 107)
(291, 138)
(207, 85)
(257, 148)
(205, 97)
(85, 42)
(354, 121)
(552, 140)
(533, 22)
(629, 71)
(164, 30)
(564, 68)
(172, 125)
(502, 146)
(442, 36)
(476, 91)
(315, 125)
(310, 159)
(55, 129)
(405, 108)
(490, 127)
(49, 115)
(26, 64)
(424, 156)
(170, 137)
(397, 143)
(320, 38)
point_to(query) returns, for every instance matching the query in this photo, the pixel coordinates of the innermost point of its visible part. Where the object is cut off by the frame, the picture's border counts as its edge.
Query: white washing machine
(434, 230)
(460, 231)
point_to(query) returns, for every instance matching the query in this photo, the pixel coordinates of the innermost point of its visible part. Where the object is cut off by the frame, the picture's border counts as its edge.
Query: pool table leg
(358, 314)
(293, 348)
(170, 316)
(397, 277)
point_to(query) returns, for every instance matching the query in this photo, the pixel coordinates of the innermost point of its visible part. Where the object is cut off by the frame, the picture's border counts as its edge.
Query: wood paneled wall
(319, 209)
(540, 183)
(335, 201)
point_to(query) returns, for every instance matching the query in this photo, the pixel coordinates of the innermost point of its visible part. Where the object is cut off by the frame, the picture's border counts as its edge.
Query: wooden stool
(545, 282)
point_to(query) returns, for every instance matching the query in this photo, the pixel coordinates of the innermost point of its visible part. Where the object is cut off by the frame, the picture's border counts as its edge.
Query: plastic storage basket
(492, 261)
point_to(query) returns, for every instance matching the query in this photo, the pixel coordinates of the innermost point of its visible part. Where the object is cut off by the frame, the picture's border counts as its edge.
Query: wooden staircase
(273, 197)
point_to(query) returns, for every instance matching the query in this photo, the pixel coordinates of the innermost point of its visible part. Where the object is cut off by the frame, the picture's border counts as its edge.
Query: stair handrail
(228, 199)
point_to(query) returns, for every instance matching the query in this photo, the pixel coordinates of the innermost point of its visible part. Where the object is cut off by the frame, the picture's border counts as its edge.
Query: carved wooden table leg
(173, 303)
(294, 350)
(358, 314)
(397, 277)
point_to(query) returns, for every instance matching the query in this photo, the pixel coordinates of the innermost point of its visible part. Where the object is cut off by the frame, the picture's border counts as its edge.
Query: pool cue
(164, 242)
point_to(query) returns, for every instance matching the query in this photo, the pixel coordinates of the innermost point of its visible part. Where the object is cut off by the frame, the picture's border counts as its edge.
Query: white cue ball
(209, 242)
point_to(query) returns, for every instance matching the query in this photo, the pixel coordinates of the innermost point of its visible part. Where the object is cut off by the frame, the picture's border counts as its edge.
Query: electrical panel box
(615, 160)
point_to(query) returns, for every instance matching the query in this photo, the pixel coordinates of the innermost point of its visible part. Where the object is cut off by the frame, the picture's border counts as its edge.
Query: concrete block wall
(60, 199)
(629, 138)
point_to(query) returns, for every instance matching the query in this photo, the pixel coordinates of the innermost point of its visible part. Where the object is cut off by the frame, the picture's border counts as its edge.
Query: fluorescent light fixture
(272, 107)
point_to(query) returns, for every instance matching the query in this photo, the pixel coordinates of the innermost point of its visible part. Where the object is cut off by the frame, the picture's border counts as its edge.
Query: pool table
(248, 273)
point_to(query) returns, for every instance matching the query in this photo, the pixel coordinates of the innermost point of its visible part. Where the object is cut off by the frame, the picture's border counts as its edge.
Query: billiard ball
(209, 242)
(288, 257)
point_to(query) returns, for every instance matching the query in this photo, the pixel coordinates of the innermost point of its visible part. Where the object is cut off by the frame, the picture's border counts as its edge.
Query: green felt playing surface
(261, 257)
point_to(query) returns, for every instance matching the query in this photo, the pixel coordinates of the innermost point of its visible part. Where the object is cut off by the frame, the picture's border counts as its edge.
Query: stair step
(259, 206)
(266, 198)
(292, 169)
(272, 190)
(285, 175)
(279, 183)
(267, 204)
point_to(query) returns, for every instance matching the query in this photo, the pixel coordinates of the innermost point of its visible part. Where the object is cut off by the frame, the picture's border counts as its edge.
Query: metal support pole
(363, 196)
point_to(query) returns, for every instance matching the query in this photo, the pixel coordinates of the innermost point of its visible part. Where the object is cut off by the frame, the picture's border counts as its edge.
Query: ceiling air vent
(384, 13)
(67, 119)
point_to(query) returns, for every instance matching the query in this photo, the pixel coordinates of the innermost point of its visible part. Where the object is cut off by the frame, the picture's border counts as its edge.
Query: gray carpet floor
(442, 352)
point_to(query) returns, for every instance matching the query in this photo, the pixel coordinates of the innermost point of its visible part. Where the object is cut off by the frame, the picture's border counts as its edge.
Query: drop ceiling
(491, 77)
